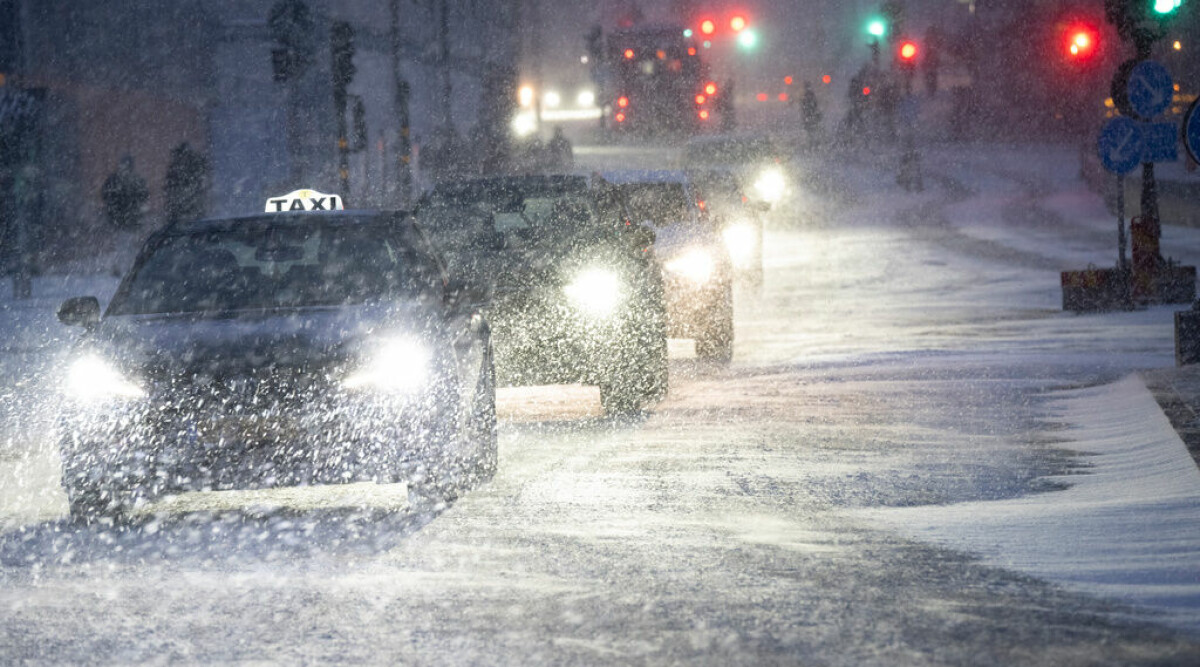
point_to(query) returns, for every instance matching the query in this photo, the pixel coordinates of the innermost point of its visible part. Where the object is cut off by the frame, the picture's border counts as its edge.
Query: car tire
(90, 505)
(455, 476)
(482, 430)
(715, 342)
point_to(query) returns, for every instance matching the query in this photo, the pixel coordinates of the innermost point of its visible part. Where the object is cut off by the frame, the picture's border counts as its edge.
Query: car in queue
(697, 270)
(576, 290)
(739, 219)
(290, 348)
(760, 164)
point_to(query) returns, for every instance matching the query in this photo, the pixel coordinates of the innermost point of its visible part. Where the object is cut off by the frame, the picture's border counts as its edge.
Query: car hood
(675, 237)
(242, 342)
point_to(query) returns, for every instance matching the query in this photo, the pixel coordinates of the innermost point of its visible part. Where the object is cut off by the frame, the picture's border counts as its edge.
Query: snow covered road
(891, 472)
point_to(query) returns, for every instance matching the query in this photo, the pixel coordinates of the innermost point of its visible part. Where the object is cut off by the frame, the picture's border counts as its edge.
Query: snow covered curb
(1128, 529)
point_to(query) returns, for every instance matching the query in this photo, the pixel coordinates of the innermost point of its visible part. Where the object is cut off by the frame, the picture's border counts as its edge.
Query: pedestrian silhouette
(124, 195)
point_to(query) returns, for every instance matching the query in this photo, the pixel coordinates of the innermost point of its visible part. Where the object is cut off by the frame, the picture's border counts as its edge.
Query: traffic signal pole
(404, 139)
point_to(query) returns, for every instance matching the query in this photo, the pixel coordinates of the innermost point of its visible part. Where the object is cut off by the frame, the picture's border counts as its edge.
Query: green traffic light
(877, 27)
(1166, 6)
(747, 39)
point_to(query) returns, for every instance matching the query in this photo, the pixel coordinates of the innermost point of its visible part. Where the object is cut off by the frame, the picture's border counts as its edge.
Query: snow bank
(1128, 529)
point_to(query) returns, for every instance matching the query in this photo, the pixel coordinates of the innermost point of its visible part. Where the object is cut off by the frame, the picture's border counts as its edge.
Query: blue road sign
(1150, 89)
(1160, 142)
(1120, 145)
(1191, 131)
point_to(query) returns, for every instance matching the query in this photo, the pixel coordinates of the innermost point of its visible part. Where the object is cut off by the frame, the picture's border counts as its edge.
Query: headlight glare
(740, 239)
(400, 365)
(595, 291)
(696, 265)
(770, 184)
(91, 378)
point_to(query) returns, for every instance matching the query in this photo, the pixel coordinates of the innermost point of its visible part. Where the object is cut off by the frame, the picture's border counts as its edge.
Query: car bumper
(160, 446)
(692, 306)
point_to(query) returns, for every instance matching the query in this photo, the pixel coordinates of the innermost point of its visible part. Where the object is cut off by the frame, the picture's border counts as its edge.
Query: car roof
(525, 183)
(631, 176)
(298, 219)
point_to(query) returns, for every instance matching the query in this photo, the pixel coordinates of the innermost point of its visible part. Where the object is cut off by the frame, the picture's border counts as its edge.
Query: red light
(691, 50)
(783, 97)
(826, 79)
(704, 114)
(629, 54)
(762, 97)
(866, 90)
(1081, 42)
(737, 23)
(710, 88)
(622, 101)
(908, 50)
(620, 118)
(702, 205)
(707, 27)
(701, 99)
(660, 54)
(787, 80)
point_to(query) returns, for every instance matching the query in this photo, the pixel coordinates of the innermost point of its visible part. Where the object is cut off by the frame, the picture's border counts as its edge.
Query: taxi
(306, 345)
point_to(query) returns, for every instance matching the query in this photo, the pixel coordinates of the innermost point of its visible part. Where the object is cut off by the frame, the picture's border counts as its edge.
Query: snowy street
(915, 458)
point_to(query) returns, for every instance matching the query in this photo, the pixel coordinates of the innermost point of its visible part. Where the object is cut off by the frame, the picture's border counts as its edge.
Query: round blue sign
(1191, 131)
(1120, 145)
(1150, 89)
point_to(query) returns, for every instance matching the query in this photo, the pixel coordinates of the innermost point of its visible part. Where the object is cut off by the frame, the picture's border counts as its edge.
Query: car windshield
(541, 207)
(660, 203)
(731, 151)
(263, 266)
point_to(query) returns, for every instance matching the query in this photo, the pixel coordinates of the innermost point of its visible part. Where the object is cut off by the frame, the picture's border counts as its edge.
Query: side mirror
(80, 311)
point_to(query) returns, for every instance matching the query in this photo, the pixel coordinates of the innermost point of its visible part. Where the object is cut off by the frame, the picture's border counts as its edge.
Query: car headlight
(770, 184)
(696, 265)
(595, 291)
(92, 378)
(400, 365)
(741, 239)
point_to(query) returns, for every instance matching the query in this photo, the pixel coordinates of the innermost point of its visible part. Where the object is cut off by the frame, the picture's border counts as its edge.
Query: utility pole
(404, 143)
(444, 110)
(341, 48)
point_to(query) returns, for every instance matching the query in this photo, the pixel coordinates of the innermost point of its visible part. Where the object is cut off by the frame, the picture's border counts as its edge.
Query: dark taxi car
(283, 349)
(576, 291)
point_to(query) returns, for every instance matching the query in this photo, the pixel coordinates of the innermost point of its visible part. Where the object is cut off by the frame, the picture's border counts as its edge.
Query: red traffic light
(707, 27)
(737, 23)
(1081, 42)
(908, 51)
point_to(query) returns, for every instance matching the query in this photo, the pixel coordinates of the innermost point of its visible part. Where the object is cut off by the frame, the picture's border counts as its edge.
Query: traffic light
(1166, 6)
(737, 23)
(747, 39)
(876, 27)
(1079, 42)
(341, 45)
(707, 27)
(907, 52)
(1141, 21)
(293, 31)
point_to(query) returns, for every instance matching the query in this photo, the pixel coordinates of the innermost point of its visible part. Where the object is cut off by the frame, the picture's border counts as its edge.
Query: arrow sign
(1191, 131)
(1120, 145)
(1160, 142)
(1150, 89)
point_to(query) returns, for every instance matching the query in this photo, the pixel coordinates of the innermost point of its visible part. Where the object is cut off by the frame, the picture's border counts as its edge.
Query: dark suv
(577, 294)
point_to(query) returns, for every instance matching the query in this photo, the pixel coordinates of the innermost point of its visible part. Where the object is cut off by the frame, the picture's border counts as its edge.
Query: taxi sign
(304, 200)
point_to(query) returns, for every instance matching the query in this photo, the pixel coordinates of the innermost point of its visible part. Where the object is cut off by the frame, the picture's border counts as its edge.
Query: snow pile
(1128, 529)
